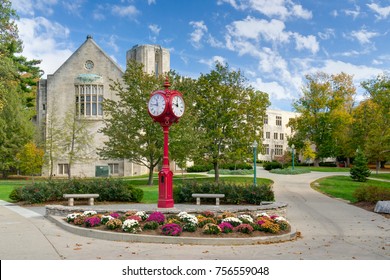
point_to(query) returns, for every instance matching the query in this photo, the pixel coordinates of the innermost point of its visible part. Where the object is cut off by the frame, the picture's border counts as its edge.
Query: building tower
(156, 60)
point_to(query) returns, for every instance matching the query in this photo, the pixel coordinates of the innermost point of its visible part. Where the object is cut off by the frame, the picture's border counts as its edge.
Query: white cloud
(353, 13)
(125, 11)
(74, 7)
(154, 28)
(212, 61)
(28, 7)
(363, 36)
(112, 43)
(382, 12)
(280, 8)
(327, 34)
(44, 40)
(253, 28)
(306, 42)
(150, 2)
(200, 29)
(274, 89)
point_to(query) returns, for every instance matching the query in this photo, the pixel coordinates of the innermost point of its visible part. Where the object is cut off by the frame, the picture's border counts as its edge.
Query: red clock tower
(166, 107)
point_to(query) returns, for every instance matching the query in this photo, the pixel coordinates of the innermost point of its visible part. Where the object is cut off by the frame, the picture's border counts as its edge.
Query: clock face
(178, 106)
(156, 105)
(89, 64)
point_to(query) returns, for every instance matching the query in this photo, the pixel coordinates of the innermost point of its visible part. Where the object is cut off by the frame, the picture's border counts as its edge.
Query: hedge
(234, 193)
(53, 190)
(229, 166)
(372, 194)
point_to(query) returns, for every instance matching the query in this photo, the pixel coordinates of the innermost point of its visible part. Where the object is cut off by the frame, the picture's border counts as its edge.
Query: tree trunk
(150, 178)
(316, 162)
(216, 171)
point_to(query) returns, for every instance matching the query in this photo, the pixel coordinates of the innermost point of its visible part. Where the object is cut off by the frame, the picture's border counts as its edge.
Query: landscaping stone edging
(56, 214)
(142, 238)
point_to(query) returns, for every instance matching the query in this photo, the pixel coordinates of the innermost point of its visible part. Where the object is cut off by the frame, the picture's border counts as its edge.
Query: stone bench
(217, 196)
(90, 196)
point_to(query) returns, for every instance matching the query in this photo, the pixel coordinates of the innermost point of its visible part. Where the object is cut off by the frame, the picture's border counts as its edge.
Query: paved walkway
(330, 228)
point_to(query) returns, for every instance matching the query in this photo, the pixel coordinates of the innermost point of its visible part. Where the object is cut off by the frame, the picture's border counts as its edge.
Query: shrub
(16, 194)
(156, 217)
(360, 171)
(272, 165)
(244, 228)
(108, 190)
(114, 224)
(171, 229)
(200, 168)
(92, 221)
(211, 228)
(131, 226)
(150, 225)
(372, 194)
(226, 227)
(234, 193)
(203, 220)
(190, 227)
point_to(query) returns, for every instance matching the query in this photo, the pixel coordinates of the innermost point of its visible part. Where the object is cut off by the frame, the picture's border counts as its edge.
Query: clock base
(165, 190)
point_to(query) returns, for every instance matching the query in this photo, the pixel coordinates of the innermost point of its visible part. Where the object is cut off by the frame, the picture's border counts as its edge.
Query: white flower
(107, 218)
(131, 226)
(188, 218)
(246, 217)
(280, 219)
(142, 215)
(263, 215)
(72, 216)
(89, 213)
(232, 219)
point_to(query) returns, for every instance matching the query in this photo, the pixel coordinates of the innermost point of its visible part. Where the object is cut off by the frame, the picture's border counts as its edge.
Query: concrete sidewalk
(331, 230)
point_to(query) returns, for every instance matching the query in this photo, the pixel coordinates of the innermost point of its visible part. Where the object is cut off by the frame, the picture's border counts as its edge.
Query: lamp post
(292, 150)
(254, 145)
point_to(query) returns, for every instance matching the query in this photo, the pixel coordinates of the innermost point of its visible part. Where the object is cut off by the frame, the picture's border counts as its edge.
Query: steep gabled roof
(91, 41)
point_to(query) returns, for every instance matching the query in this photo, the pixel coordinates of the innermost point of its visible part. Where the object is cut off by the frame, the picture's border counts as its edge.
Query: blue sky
(275, 43)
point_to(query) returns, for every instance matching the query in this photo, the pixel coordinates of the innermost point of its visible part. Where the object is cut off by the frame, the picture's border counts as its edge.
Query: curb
(141, 238)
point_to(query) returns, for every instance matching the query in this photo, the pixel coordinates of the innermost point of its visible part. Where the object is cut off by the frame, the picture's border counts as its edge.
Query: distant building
(276, 133)
(82, 82)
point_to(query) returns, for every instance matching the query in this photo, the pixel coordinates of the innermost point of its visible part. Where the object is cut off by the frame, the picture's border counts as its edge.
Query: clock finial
(166, 83)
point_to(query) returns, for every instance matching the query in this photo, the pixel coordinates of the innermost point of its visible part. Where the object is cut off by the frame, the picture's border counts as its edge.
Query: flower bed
(206, 224)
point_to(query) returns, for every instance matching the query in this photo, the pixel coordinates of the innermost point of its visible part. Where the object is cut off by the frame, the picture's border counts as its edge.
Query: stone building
(276, 131)
(80, 85)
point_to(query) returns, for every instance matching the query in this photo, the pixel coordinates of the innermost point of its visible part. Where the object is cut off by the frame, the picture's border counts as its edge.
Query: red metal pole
(165, 191)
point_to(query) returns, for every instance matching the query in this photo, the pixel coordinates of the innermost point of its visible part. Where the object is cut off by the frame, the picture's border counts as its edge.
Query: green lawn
(324, 169)
(343, 186)
(385, 176)
(6, 187)
(150, 192)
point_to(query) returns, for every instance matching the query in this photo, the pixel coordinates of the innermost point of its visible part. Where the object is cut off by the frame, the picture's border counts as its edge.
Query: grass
(325, 169)
(385, 176)
(343, 186)
(150, 192)
(289, 171)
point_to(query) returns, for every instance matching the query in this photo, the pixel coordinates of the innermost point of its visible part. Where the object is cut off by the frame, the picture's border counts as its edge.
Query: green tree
(30, 159)
(185, 138)
(360, 171)
(308, 152)
(76, 139)
(374, 117)
(15, 131)
(229, 114)
(325, 109)
(53, 142)
(131, 132)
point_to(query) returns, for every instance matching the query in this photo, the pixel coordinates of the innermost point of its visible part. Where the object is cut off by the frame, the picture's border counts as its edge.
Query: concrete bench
(71, 197)
(217, 196)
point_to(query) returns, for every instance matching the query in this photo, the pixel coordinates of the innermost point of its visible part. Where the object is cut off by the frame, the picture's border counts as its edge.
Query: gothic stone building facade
(82, 82)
